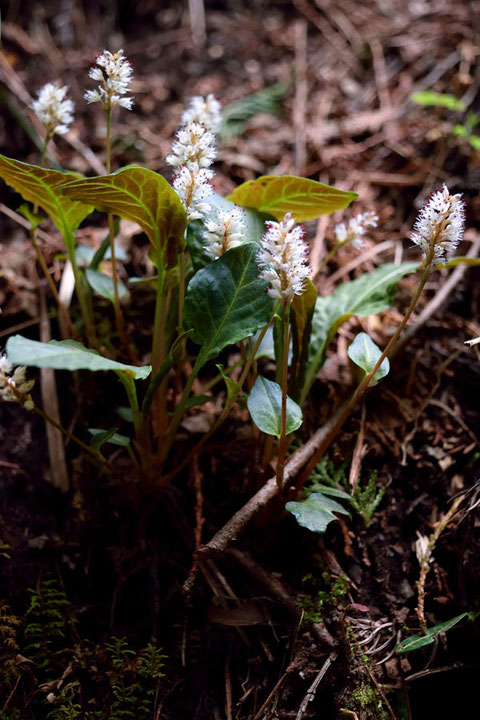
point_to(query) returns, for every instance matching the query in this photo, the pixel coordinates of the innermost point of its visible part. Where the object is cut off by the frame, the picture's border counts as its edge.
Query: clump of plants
(231, 277)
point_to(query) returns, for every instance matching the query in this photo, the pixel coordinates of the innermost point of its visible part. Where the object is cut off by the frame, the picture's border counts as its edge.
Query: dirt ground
(284, 623)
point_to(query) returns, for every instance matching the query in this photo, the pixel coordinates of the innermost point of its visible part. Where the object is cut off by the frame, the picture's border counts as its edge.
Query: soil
(284, 623)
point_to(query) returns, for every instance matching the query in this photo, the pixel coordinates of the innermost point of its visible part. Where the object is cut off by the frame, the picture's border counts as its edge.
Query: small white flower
(439, 226)
(225, 231)
(16, 387)
(115, 74)
(192, 185)
(356, 230)
(205, 111)
(422, 549)
(193, 144)
(284, 257)
(53, 108)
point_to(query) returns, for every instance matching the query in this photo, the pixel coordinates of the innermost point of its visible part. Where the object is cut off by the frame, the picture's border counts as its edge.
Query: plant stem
(224, 414)
(84, 446)
(425, 563)
(41, 259)
(328, 257)
(359, 392)
(160, 419)
(118, 308)
(282, 448)
(80, 289)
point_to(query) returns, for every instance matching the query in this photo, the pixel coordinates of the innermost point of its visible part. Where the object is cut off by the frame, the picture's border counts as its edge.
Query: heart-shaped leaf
(254, 222)
(365, 354)
(316, 511)
(414, 642)
(366, 295)
(305, 199)
(265, 406)
(42, 187)
(103, 285)
(142, 196)
(226, 302)
(65, 355)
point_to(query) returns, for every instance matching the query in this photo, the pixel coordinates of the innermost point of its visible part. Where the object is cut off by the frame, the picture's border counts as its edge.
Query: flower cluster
(115, 74)
(54, 109)
(225, 231)
(439, 226)
(356, 229)
(193, 151)
(284, 257)
(193, 144)
(15, 388)
(206, 111)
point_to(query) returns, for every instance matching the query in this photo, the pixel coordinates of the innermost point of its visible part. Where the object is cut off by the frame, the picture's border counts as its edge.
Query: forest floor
(283, 623)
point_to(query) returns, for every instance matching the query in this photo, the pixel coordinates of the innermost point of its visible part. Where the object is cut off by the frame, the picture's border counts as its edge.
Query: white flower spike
(356, 229)
(115, 74)
(192, 185)
(15, 387)
(193, 151)
(284, 257)
(439, 226)
(205, 111)
(54, 109)
(225, 231)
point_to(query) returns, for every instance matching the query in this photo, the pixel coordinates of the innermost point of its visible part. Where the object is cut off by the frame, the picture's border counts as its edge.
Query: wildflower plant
(227, 272)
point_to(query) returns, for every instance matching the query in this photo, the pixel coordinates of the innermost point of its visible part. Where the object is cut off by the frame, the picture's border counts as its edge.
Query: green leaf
(65, 355)
(265, 406)
(103, 285)
(460, 131)
(305, 199)
(316, 511)
(100, 437)
(366, 295)
(142, 196)
(365, 354)
(459, 260)
(254, 221)
(301, 314)
(414, 642)
(475, 141)
(42, 187)
(268, 100)
(233, 388)
(430, 98)
(226, 302)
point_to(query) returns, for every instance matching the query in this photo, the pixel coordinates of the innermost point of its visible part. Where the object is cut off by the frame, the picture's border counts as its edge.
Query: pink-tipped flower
(193, 144)
(284, 258)
(356, 229)
(193, 185)
(114, 73)
(224, 231)
(54, 109)
(205, 111)
(439, 226)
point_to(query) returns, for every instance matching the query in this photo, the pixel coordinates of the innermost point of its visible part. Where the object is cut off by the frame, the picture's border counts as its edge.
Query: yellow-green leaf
(142, 196)
(305, 199)
(40, 186)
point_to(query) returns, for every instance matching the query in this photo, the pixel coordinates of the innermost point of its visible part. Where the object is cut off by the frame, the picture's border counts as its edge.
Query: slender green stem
(329, 256)
(82, 297)
(160, 419)
(77, 441)
(224, 414)
(116, 297)
(359, 392)
(180, 410)
(282, 448)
